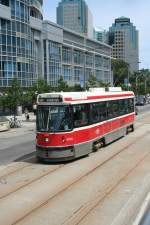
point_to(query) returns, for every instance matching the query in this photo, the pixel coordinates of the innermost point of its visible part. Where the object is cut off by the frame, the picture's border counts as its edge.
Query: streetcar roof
(72, 97)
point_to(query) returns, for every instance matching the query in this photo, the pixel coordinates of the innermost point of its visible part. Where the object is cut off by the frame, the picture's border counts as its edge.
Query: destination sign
(50, 99)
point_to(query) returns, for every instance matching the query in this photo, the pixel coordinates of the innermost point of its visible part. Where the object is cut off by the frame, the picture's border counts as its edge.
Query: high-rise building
(123, 36)
(100, 35)
(75, 15)
(18, 41)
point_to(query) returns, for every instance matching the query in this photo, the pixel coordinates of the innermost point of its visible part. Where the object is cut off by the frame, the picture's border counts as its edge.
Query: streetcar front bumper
(55, 154)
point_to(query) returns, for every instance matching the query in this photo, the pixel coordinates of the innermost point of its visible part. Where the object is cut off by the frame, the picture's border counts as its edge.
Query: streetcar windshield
(54, 118)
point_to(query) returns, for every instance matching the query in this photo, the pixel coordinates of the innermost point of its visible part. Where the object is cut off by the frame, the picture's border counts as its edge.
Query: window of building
(67, 73)
(98, 61)
(78, 74)
(89, 59)
(78, 57)
(66, 55)
(4, 2)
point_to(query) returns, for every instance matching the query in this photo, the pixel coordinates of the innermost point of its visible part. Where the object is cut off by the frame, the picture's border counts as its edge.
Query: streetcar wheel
(127, 131)
(132, 128)
(97, 145)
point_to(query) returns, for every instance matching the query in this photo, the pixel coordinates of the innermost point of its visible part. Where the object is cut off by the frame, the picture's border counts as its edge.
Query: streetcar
(73, 124)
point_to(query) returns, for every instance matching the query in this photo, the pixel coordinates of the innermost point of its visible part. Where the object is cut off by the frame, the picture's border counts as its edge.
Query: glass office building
(18, 58)
(100, 35)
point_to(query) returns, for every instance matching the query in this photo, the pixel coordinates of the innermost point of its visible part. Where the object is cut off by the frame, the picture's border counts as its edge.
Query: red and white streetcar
(73, 124)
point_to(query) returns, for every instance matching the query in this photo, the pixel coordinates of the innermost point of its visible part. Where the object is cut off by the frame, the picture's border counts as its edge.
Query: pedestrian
(27, 117)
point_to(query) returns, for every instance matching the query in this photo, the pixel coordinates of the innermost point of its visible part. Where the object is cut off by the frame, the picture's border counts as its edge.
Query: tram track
(12, 168)
(99, 197)
(65, 185)
(126, 199)
(28, 178)
(81, 209)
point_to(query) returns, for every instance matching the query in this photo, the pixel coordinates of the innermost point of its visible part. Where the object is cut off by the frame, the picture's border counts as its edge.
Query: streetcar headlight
(63, 139)
(46, 139)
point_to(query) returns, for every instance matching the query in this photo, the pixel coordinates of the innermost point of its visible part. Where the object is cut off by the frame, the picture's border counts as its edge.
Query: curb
(143, 210)
(128, 214)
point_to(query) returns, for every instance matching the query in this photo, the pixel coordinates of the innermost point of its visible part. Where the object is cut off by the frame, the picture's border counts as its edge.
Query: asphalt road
(23, 146)
(143, 109)
(13, 148)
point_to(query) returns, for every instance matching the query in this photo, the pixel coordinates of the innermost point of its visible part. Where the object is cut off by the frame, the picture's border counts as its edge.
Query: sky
(105, 12)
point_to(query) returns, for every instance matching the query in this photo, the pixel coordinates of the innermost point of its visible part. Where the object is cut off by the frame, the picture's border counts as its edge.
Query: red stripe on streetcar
(108, 96)
(99, 97)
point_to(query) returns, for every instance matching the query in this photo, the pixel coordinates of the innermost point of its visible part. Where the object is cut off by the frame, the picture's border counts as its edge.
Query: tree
(39, 87)
(140, 82)
(1, 100)
(13, 97)
(62, 85)
(103, 84)
(77, 87)
(92, 82)
(120, 71)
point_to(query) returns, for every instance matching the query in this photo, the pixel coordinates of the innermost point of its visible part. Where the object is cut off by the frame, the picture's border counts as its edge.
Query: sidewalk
(27, 127)
(32, 117)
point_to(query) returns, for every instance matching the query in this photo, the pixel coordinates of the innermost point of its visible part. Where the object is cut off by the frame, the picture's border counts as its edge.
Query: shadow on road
(31, 158)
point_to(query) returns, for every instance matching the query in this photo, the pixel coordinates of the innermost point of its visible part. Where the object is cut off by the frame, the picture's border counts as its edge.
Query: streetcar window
(94, 112)
(80, 115)
(54, 118)
(109, 110)
(122, 107)
(126, 106)
(102, 111)
(131, 105)
(115, 108)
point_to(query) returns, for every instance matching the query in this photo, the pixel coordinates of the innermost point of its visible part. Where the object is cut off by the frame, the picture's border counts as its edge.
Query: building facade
(124, 39)
(31, 48)
(74, 56)
(75, 15)
(18, 58)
